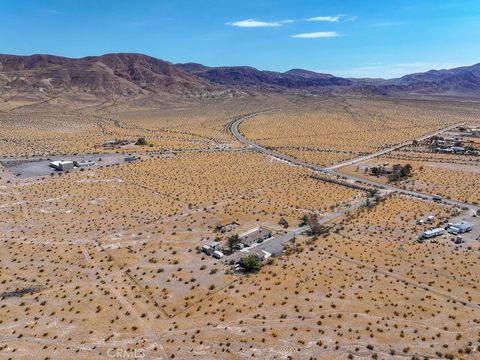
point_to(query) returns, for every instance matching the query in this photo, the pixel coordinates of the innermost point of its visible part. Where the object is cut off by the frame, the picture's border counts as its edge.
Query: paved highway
(276, 244)
(234, 129)
(331, 170)
(390, 149)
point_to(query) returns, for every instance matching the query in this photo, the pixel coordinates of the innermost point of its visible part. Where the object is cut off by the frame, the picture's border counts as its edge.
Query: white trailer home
(433, 233)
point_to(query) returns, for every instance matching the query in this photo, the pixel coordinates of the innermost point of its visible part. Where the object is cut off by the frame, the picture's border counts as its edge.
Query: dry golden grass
(365, 289)
(116, 245)
(455, 179)
(108, 257)
(120, 197)
(40, 129)
(454, 183)
(322, 158)
(353, 125)
(33, 134)
(432, 156)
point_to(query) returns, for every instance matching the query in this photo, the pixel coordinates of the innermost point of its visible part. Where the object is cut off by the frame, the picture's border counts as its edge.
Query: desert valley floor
(106, 261)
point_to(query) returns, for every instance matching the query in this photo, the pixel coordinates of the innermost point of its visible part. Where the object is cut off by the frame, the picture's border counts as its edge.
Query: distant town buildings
(456, 143)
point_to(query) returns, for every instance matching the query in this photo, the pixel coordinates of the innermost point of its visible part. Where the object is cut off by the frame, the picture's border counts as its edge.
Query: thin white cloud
(325, 18)
(252, 23)
(316, 35)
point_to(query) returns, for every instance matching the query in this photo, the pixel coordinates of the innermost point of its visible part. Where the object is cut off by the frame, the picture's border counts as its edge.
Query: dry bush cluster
(366, 290)
(107, 257)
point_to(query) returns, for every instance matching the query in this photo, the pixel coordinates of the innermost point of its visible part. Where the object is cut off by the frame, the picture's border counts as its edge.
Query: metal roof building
(254, 236)
(62, 165)
(463, 226)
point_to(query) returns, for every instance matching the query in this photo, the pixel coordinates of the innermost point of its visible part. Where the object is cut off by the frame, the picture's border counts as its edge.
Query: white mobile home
(433, 233)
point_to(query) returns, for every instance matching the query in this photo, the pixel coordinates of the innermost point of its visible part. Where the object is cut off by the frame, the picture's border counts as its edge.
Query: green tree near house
(251, 263)
(304, 220)
(315, 227)
(400, 172)
(233, 241)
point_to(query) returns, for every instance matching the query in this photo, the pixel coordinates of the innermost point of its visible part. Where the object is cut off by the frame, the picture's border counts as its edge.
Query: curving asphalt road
(276, 244)
(331, 169)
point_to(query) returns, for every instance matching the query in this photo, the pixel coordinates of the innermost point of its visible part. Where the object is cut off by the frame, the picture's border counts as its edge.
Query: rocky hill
(126, 75)
(135, 75)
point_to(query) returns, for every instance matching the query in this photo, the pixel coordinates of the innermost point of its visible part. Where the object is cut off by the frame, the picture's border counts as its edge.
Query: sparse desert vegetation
(109, 257)
(330, 130)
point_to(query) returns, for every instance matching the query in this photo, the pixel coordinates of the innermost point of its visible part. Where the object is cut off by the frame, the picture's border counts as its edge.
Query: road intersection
(275, 245)
(331, 170)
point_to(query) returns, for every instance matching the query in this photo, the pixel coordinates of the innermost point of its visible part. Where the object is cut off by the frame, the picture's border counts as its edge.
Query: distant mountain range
(251, 78)
(134, 75)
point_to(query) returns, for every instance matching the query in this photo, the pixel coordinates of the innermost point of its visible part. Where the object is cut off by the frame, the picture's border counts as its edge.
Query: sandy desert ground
(454, 177)
(329, 131)
(105, 262)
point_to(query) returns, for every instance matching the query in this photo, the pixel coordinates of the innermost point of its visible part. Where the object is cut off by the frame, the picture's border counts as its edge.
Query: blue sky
(358, 38)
